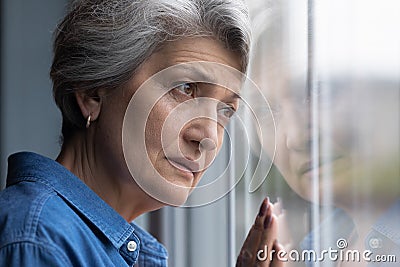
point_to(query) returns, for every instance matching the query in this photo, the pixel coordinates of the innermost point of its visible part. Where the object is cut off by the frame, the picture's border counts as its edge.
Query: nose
(201, 135)
(298, 129)
(208, 144)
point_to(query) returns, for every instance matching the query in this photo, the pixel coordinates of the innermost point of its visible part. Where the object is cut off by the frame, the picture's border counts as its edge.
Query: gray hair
(101, 43)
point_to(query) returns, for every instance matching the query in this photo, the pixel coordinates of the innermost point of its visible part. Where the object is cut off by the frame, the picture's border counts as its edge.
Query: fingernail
(263, 209)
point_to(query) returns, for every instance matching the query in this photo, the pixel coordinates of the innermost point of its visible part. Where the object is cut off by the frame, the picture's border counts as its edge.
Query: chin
(177, 197)
(171, 194)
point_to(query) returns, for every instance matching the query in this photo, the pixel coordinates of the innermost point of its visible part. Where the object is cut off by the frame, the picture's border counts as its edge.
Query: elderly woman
(78, 209)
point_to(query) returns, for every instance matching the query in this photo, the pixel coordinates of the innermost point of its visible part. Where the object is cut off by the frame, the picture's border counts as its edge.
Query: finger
(268, 238)
(259, 221)
(248, 253)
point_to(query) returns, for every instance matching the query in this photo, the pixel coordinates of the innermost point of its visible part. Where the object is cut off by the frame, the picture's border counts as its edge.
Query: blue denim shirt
(383, 239)
(49, 217)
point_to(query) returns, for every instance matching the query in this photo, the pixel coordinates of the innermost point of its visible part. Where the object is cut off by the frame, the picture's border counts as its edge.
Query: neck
(115, 186)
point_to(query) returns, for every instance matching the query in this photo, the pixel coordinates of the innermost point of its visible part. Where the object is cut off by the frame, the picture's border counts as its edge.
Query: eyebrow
(234, 96)
(200, 75)
(231, 96)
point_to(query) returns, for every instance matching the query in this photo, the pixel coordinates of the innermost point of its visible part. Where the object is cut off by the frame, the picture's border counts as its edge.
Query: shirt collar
(27, 166)
(388, 223)
(340, 225)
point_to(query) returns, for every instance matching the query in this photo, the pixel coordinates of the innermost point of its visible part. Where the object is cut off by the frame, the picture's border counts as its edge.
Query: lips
(311, 165)
(184, 164)
(305, 168)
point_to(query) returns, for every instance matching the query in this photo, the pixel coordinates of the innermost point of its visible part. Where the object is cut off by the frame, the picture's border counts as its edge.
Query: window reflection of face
(357, 138)
(193, 132)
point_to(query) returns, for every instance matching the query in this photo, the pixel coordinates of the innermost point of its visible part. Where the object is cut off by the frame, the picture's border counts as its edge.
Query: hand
(261, 240)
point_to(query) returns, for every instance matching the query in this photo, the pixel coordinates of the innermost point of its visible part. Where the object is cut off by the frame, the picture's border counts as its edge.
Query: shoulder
(33, 210)
(35, 205)
(23, 214)
(21, 205)
(27, 253)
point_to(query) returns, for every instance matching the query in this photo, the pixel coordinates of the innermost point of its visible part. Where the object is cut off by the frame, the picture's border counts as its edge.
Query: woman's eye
(187, 88)
(225, 113)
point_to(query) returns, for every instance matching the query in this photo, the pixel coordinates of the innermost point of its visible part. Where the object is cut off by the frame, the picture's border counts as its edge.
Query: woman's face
(347, 139)
(179, 140)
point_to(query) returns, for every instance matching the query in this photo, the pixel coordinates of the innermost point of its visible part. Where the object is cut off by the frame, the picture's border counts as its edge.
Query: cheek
(283, 163)
(110, 121)
(339, 128)
(269, 145)
(155, 124)
(281, 157)
(220, 133)
(153, 132)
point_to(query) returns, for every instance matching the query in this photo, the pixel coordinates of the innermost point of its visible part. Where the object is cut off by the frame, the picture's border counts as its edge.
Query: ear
(89, 105)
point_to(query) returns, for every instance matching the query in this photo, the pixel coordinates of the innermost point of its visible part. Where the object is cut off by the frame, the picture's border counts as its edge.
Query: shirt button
(375, 243)
(132, 246)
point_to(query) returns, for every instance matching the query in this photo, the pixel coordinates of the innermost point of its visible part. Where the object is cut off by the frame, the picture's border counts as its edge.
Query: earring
(88, 121)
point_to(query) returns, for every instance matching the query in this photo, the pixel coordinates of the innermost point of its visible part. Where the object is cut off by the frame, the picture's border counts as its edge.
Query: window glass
(330, 73)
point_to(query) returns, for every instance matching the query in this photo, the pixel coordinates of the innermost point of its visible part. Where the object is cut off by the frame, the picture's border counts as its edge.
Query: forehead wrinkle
(228, 96)
(201, 76)
(200, 55)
